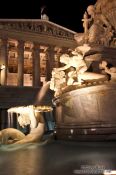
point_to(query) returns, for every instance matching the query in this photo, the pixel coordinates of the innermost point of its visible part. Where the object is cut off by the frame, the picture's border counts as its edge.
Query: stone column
(50, 62)
(36, 65)
(3, 60)
(20, 76)
(58, 59)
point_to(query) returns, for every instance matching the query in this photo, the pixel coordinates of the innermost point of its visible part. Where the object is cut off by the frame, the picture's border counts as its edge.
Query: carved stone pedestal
(88, 113)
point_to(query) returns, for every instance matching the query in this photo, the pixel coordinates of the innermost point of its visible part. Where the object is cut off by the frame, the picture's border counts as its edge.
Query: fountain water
(42, 93)
(28, 115)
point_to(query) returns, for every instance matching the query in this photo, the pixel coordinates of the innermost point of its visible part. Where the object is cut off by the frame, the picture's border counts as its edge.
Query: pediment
(37, 26)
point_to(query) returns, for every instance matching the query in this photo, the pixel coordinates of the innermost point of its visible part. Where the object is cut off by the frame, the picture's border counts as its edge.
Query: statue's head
(90, 9)
(64, 58)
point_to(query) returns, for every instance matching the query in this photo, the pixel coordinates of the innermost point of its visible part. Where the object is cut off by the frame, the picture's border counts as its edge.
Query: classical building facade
(29, 50)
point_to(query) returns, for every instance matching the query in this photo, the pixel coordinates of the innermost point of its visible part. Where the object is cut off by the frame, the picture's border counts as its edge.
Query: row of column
(36, 62)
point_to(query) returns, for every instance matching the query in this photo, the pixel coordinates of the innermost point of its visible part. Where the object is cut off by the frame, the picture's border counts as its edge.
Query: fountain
(85, 88)
(26, 115)
(31, 115)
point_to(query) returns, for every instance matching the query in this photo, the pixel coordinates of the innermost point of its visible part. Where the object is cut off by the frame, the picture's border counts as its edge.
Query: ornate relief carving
(42, 27)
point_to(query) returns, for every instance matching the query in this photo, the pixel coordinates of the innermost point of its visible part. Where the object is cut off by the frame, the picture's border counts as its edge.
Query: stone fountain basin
(87, 111)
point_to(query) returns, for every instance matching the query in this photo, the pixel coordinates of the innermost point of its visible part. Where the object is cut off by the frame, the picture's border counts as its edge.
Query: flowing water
(42, 93)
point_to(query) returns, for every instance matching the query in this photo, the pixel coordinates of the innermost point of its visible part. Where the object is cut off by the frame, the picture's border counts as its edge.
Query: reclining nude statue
(10, 135)
(74, 72)
(26, 116)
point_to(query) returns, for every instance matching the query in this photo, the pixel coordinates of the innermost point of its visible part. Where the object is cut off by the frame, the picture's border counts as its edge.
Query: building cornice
(38, 21)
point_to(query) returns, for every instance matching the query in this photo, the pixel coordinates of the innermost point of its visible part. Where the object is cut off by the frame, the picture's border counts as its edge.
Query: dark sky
(67, 13)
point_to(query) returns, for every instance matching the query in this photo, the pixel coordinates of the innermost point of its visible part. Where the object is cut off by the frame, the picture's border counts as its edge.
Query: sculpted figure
(76, 61)
(58, 81)
(111, 71)
(10, 134)
(75, 64)
(86, 22)
(80, 71)
(74, 72)
(25, 115)
(37, 133)
(43, 13)
(37, 125)
(100, 26)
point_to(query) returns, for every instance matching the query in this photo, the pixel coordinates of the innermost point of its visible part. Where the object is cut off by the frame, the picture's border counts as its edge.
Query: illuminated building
(29, 50)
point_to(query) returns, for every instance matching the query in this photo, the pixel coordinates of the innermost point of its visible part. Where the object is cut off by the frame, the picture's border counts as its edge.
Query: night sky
(67, 13)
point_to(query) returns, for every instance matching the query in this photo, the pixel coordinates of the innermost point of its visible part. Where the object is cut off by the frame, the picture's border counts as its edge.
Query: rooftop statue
(44, 16)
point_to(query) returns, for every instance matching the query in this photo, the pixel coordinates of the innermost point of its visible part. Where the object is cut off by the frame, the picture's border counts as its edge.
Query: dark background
(67, 13)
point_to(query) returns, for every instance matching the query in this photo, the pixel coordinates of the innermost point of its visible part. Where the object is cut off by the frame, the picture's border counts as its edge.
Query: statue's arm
(64, 67)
